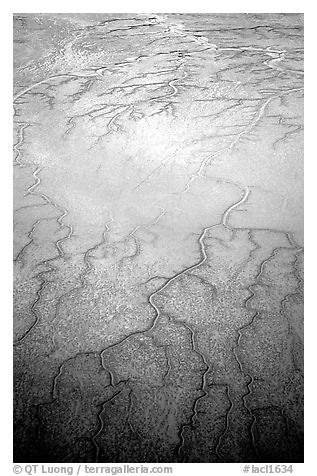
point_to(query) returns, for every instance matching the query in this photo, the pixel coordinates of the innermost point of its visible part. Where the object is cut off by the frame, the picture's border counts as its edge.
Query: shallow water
(158, 237)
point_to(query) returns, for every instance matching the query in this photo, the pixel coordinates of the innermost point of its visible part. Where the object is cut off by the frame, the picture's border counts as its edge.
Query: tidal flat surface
(158, 237)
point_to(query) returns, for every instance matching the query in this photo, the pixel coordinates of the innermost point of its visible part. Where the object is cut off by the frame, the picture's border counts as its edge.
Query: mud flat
(158, 237)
